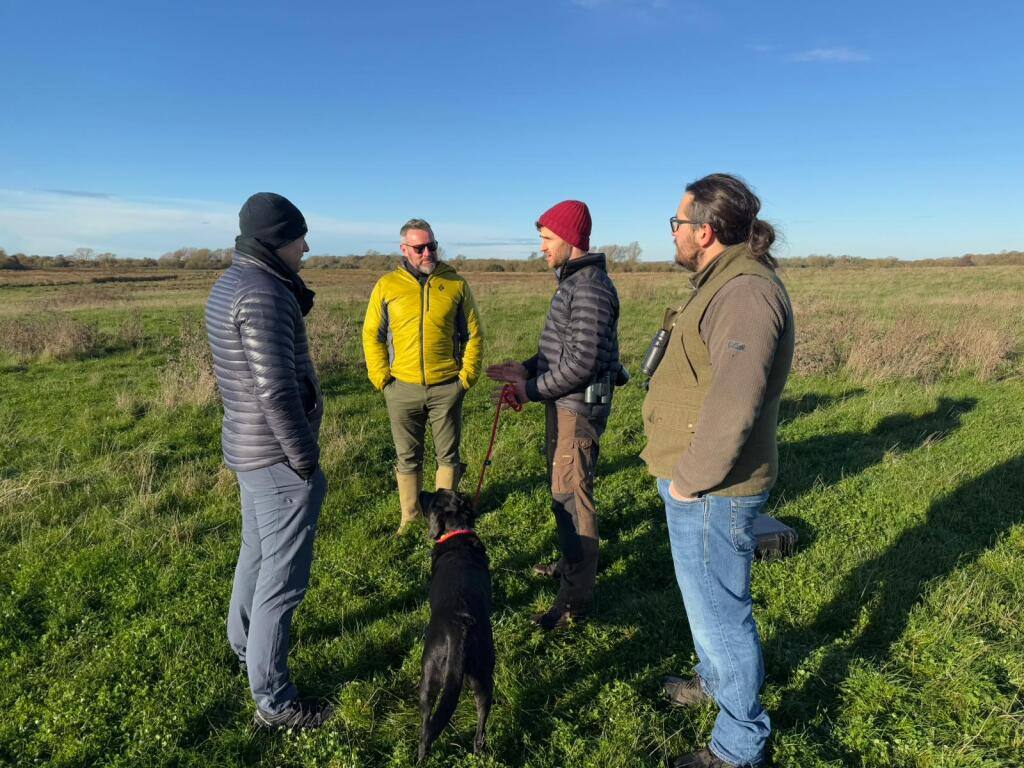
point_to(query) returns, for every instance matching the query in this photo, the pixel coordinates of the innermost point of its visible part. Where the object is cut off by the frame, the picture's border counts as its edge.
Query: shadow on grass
(956, 531)
(633, 630)
(824, 460)
(640, 594)
(639, 618)
(791, 408)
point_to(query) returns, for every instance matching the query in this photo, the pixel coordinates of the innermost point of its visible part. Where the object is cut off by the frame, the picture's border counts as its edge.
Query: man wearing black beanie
(270, 438)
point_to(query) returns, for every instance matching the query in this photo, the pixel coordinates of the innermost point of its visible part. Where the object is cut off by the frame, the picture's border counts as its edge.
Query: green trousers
(411, 407)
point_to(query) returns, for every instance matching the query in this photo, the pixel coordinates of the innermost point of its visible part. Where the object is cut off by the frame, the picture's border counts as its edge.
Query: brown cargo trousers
(572, 443)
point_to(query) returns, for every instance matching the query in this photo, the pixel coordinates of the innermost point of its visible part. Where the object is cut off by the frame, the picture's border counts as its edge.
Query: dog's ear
(434, 527)
(471, 512)
(466, 508)
(426, 499)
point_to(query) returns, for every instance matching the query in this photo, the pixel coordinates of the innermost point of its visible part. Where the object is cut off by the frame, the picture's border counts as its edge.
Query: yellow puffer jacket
(422, 334)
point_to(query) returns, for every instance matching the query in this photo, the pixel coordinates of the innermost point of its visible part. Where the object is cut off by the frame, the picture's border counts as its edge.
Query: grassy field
(895, 637)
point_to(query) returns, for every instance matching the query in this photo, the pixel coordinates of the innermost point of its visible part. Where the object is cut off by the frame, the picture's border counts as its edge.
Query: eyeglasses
(677, 223)
(431, 246)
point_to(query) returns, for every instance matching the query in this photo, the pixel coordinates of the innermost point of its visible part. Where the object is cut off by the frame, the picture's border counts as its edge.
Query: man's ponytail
(728, 205)
(762, 235)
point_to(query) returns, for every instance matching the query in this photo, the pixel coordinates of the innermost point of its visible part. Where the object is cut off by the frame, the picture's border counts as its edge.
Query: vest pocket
(662, 415)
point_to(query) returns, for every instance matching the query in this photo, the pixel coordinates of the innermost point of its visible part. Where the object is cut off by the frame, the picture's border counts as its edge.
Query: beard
(686, 261)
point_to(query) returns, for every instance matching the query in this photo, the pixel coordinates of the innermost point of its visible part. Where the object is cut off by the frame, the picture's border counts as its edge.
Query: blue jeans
(713, 546)
(279, 516)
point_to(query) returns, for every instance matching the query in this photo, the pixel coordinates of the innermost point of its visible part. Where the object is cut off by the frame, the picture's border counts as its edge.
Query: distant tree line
(1015, 258)
(621, 258)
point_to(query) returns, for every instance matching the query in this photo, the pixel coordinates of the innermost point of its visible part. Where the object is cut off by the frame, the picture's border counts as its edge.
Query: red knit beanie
(570, 220)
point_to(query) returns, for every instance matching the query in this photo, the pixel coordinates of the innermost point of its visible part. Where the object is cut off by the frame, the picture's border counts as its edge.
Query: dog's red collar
(451, 534)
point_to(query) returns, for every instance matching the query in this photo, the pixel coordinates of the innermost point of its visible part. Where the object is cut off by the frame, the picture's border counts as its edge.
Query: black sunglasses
(431, 246)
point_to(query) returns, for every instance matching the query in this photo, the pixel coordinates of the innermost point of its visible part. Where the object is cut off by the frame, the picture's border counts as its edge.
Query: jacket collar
(252, 253)
(441, 269)
(726, 257)
(575, 265)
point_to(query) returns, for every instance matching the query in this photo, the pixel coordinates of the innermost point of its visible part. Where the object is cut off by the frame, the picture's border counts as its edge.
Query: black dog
(458, 642)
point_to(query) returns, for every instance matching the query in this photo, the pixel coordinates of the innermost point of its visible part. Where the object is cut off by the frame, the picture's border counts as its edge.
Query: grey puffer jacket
(267, 382)
(580, 340)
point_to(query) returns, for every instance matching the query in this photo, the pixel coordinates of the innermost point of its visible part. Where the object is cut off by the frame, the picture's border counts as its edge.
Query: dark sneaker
(548, 570)
(558, 617)
(702, 758)
(684, 692)
(301, 715)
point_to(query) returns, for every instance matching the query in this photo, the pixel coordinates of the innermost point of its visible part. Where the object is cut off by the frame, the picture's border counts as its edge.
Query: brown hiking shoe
(684, 692)
(558, 617)
(702, 758)
(548, 570)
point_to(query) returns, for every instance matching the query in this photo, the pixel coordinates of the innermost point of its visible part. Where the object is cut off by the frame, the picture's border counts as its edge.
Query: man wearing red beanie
(573, 374)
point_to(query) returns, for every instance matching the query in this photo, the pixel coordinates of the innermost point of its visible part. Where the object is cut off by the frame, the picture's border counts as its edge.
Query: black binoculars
(655, 352)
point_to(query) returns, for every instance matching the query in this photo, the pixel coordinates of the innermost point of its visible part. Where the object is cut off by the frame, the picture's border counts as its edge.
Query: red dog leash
(508, 400)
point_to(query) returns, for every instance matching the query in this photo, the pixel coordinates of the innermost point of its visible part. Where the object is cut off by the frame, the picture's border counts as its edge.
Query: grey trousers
(279, 516)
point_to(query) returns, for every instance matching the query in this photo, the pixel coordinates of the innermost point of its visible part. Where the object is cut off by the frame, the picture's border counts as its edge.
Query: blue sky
(873, 129)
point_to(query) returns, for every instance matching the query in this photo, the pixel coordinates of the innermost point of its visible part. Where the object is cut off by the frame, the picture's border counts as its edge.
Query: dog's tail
(453, 676)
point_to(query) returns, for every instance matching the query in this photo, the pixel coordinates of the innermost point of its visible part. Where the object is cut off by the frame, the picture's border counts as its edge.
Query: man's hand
(508, 371)
(519, 385)
(678, 496)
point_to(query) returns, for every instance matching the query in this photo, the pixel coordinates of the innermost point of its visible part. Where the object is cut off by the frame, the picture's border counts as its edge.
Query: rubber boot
(409, 487)
(449, 477)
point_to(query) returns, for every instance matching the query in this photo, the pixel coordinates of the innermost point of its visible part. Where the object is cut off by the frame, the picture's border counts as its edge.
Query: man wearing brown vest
(710, 416)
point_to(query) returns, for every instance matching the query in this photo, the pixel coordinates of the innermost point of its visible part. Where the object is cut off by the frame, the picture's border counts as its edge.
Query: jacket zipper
(424, 306)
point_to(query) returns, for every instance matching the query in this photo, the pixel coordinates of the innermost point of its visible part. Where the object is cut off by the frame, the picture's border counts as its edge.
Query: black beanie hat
(271, 219)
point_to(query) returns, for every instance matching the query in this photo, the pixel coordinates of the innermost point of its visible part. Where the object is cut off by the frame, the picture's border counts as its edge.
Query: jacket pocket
(310, 398)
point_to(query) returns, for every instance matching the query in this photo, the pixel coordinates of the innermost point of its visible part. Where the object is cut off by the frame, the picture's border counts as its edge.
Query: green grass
(895, 637)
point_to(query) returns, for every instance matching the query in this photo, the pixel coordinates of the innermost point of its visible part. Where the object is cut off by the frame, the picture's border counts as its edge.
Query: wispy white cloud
(634, 5)
(58, 221)
(49, 222)
(77, 193)
(839, 55)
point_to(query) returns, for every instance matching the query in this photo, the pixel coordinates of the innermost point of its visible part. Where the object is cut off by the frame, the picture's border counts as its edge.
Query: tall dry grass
(187, 377)
(333, 340)
(872, 324)
(48, 337)
(916, 342)
(60, 336)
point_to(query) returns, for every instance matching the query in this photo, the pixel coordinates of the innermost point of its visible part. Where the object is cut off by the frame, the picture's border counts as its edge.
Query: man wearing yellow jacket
(423, 344)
